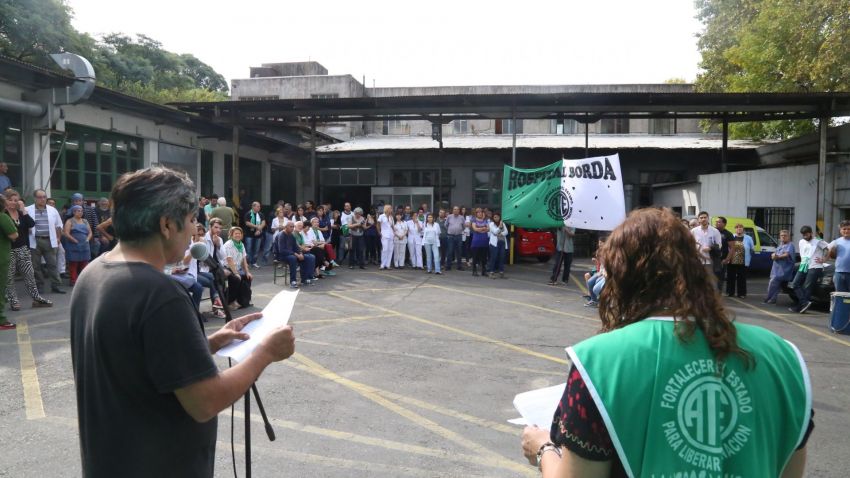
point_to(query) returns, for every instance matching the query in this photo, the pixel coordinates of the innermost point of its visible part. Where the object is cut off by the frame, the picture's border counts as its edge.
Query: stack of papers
(537, 407)
(275, 315)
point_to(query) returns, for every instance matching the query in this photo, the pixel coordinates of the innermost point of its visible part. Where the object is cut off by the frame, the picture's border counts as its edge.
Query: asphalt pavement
(397, 373)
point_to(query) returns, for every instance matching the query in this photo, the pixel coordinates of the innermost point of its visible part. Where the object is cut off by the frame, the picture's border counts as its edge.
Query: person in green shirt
(8, 233)
(672, 386)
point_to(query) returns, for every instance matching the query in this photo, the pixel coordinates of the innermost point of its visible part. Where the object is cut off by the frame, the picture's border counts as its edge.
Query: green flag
(527, 194)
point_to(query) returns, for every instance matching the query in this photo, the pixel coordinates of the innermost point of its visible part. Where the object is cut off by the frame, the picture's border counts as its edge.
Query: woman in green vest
(672, 387)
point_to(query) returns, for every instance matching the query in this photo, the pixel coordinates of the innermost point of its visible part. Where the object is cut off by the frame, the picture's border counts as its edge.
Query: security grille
(772, 219)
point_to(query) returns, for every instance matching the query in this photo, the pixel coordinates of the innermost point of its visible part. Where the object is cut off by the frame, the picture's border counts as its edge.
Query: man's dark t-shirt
(135, 339)
(724, 248)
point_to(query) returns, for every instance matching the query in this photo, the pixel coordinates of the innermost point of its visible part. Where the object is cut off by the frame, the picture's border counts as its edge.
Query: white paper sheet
(275, 315)
(537, 407)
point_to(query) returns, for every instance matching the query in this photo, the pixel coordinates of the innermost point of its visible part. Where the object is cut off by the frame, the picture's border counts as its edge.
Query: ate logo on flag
(559, 205)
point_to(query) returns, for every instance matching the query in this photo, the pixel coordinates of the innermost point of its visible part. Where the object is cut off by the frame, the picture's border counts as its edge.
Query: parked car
(820, 294)
(539, 243)
(765, 244)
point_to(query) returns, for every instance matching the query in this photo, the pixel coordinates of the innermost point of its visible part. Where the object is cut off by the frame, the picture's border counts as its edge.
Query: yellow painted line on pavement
(500, 427)
(365, 391)
(580, 285)
(391, 275)
(29, 374)
(373, 289)
(792, 322)
(355, 467)
(344, 319)
(515, 302)
(337, 322)
(484, 423)
(52, 322)
(480, 338)
(367, 440)
(43, 341)
(434, 359)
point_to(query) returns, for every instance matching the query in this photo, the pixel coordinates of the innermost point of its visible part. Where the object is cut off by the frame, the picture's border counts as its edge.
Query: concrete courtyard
(397, 373)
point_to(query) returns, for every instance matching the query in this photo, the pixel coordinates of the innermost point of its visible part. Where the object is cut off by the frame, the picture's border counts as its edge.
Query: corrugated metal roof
(383, 143)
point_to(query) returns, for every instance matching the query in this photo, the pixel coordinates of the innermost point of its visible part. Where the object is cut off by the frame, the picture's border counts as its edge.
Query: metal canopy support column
(586, 138)
(439, 171)
(235, 165)
(513, 145)
(724, 147)
(314, 170)
(821, 207)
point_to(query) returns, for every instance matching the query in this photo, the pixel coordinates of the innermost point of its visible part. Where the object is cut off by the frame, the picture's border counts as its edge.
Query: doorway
(402, 196)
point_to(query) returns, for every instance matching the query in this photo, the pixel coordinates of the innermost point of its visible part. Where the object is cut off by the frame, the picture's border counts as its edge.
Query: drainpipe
(27, 108)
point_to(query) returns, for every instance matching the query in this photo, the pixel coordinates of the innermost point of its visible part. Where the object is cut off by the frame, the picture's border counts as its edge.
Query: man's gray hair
(221, 201)
(140, 198)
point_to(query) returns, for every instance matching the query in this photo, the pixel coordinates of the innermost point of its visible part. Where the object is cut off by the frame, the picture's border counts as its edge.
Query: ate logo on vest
(705, 402)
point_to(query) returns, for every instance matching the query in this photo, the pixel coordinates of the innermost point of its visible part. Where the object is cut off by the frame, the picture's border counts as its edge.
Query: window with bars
(614, 126)
(566, 126)
(506, 126)
(487, 188)
(347, 176)
(89, 161)
(661, 126)
(772, 219)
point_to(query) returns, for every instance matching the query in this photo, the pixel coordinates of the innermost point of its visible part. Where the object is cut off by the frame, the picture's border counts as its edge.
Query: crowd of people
(41, 244)
(660, 315)
(317, 238)
(728, 256)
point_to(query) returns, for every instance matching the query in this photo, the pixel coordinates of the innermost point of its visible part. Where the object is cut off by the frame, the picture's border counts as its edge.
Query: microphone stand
(215, 268)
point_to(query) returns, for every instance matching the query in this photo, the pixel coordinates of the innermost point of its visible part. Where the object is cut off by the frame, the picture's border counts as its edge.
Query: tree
(774, 46)
(32, 29)
(144, 60)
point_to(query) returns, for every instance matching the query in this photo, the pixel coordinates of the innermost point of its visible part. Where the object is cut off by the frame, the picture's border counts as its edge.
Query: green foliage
(144, 60)
(774, 46)
(148, 92)
(675, 81)
(32, 29)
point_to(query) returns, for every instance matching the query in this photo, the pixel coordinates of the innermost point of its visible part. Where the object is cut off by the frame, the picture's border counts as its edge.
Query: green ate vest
(671, 415)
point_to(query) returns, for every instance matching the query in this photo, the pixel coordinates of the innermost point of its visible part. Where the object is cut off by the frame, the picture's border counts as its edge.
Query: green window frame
(90, 161)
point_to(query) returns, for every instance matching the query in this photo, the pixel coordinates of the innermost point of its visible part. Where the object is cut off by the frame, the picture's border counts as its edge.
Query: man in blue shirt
(5, 182)
(839, 250)
(288, 251)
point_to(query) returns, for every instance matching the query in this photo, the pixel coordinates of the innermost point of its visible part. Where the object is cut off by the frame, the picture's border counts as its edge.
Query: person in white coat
(386, 224)
(399, 241)
(414, 241)
(44, 240)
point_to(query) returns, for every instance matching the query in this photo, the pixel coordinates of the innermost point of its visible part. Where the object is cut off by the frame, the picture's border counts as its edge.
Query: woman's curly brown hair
(653, 268)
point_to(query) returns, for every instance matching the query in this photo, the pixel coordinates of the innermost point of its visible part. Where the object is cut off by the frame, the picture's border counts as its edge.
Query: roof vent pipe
(85, 79)
(79, 91)
(27, 108)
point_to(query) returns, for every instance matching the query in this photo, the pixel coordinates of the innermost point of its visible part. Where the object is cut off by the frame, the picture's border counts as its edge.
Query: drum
(839, 313)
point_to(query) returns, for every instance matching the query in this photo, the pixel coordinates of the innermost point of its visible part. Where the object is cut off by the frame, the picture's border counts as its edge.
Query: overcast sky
(425, 43)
